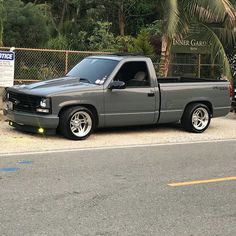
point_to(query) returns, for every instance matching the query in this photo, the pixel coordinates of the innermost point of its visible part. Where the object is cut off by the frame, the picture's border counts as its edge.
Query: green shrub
(142, 44)
(60, 42)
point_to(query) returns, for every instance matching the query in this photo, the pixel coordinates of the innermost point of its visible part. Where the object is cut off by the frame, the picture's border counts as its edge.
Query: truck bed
(177, 92)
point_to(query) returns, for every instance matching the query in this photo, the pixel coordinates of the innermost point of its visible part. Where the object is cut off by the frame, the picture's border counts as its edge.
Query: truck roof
(118, 57)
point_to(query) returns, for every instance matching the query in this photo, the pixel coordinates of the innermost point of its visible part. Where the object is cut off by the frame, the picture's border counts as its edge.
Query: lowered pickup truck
(103, 91)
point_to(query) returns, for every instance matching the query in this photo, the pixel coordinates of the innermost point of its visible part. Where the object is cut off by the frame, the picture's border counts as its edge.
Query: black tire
(69, 124)
(189, 120)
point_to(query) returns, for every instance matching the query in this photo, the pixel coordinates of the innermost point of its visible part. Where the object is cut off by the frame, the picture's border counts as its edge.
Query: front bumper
(32, 120)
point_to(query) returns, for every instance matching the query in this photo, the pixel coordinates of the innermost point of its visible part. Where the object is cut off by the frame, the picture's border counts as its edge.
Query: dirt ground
(13, 141)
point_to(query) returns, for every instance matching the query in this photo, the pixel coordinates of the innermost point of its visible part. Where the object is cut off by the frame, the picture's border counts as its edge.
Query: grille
(24, 102)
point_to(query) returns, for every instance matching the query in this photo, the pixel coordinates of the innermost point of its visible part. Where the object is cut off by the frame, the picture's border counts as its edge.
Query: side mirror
(117, 85)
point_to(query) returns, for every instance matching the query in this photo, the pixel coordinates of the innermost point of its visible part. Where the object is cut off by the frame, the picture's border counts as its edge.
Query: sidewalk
(13, 141)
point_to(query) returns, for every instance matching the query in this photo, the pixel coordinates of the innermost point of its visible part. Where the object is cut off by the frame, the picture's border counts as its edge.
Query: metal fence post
(199, 66)
(66, 64)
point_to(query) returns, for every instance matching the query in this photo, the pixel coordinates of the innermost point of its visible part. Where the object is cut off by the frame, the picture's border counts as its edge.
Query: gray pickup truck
(103, 91)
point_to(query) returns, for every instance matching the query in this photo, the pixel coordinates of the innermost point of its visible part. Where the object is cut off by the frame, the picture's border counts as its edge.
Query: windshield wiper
(85, 80)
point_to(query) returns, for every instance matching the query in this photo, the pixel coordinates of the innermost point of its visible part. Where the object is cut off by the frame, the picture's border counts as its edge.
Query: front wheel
(77, 123)
(196, 118)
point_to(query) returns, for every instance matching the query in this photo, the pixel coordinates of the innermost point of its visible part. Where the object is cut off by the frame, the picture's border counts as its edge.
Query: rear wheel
(196, 118)
(77, 123)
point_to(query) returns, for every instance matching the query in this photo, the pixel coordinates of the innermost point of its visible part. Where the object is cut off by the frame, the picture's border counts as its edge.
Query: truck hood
(55, 86)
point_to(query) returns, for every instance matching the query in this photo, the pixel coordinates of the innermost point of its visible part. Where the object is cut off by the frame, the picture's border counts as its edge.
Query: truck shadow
(144, 128)
(231, 116)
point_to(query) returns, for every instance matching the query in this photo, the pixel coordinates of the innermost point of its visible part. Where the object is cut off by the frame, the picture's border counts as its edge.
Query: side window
(134, 74)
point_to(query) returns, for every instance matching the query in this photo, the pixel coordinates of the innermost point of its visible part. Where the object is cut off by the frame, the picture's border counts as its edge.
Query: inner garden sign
(191, 44)
(7, 66)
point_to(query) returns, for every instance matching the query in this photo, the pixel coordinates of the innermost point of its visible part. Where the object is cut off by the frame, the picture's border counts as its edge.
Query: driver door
(134, 105)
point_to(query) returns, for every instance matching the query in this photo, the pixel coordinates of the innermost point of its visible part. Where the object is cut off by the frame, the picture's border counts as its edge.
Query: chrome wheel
(80, 124)
(200, 118)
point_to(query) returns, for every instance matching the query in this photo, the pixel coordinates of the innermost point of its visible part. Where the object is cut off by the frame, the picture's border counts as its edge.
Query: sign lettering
(7, 67)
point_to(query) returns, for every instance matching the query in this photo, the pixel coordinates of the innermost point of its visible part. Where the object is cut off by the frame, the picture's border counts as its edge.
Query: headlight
(44, 106)
(45, 103)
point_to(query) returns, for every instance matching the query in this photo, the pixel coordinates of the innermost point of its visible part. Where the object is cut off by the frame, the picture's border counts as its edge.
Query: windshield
(93, 70)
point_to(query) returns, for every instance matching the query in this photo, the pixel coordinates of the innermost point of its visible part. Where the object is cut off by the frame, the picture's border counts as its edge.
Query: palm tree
(216, 17)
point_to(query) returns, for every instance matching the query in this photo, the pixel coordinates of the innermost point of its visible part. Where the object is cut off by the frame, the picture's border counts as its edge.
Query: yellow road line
(202, 181)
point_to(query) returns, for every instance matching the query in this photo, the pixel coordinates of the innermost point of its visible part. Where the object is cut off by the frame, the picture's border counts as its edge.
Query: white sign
(7, 67)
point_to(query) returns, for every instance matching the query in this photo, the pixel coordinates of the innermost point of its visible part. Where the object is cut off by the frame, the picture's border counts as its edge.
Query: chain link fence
(194, 65)
(41, 64)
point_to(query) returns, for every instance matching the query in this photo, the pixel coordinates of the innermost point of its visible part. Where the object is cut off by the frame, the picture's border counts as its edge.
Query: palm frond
(183, 24)
(218, 52)
(226, 36)
(211, 10)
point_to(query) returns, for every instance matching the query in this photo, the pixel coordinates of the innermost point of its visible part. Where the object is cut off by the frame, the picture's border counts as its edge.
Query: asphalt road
(124, 191)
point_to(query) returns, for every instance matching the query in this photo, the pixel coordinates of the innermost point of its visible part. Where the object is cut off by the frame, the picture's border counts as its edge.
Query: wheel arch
(88, 106)
(205, 102)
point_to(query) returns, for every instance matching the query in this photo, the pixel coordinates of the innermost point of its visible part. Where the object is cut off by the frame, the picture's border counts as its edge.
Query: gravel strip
(13, 141)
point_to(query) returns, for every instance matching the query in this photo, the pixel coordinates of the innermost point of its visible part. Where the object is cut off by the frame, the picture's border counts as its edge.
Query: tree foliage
(101, 37)
(126, 25)
(142, 44)
(24, 25)
(79, 22)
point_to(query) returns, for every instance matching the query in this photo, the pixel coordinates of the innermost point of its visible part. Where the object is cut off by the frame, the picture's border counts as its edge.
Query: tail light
(231, 89)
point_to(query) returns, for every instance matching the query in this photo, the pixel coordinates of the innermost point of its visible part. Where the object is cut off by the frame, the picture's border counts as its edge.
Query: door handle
(151, 94)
